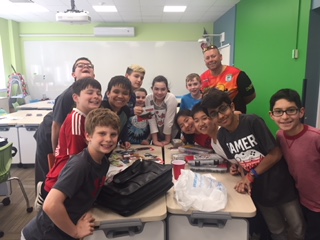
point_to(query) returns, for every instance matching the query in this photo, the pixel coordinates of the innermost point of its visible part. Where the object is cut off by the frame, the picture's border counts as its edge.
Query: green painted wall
(6, 35)
(266, 34)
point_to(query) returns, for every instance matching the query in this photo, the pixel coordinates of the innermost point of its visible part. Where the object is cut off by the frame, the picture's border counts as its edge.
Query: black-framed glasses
(222, 109)
(280, 112)
(83, 65)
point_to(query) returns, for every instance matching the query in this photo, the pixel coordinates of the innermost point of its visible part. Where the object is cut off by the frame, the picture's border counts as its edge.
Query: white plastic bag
(200, 191)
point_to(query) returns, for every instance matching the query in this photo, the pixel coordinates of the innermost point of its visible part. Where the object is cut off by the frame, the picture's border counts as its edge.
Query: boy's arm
(55, 130)
(269, 160)
(54, 207)
(246, 88)
(172, 104)
(152, 121)
(183, 105)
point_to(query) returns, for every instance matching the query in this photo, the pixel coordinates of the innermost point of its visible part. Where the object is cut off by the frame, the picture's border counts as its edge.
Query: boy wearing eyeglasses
(247, 140)
(47, 134)
(300, 145)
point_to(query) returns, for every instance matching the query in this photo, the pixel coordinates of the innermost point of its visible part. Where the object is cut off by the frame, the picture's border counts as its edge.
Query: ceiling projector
(77, 17)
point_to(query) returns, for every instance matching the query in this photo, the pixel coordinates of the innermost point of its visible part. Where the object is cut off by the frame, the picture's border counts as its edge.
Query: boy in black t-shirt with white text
(247, 140)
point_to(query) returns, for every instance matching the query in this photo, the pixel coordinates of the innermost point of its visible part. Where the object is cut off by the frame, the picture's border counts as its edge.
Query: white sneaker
(38, 200)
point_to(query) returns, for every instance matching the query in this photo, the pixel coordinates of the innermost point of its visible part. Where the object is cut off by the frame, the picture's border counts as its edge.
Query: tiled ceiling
(129, 11)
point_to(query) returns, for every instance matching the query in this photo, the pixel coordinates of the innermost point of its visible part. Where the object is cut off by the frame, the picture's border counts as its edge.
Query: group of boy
(85, 92)
(274, 169)
(244, 138)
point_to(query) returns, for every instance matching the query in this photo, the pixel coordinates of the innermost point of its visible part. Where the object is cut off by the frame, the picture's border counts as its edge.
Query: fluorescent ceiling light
(32, 7)
(105, 8)
(8, 7)
(174, 8)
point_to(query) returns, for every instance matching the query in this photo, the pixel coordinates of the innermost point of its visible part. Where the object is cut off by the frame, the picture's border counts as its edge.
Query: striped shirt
(71, 141)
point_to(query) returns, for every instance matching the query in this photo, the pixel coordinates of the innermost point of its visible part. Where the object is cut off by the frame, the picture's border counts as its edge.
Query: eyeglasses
(290, 112)
(222, 109)
(83, 65)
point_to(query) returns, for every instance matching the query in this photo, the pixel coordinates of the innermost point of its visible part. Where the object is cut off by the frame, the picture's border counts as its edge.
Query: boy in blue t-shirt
(193, 84)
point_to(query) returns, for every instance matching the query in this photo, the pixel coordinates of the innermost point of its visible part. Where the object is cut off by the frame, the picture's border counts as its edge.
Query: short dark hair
(75, 63)
(142, 90)
(288, 94)
(198, 108)
(103, 117)
(160, 78)
(184, 113)
(121, 81)
(82, 84)
(213, 98)
(191, 76)
(181, 113)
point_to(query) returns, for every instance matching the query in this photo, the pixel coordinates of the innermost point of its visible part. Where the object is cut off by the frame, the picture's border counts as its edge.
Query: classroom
(276, 43)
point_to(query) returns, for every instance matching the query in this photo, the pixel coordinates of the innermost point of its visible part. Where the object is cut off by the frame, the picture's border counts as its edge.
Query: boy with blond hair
(65, 210)
(193, 84)
(300, 145)
(135, 73)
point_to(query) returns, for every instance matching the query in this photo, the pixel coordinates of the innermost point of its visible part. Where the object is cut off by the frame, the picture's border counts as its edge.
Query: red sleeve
(76, 141)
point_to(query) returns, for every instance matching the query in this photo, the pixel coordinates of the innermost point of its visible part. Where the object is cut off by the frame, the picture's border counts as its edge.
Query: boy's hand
(165, 143)
(145, 142)
(234, 169)
(157, 143)
(244, 186)
(126, 145)
(138, 110)
(85, 226)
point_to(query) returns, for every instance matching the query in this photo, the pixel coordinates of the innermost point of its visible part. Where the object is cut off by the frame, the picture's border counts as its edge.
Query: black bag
(136, 187)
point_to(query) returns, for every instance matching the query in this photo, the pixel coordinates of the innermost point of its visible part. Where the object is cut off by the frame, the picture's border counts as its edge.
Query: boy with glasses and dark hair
(247, 140)
(47, 134)
(300, 145)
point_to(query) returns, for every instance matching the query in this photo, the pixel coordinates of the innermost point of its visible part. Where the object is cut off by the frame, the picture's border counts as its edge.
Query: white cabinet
(27, 144)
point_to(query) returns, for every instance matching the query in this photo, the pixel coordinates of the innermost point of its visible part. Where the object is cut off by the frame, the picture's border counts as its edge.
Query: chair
(15, 105)
(5, 166)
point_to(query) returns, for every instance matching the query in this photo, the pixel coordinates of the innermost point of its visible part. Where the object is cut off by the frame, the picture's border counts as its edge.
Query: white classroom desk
(143, 225)
(40, 105)
(19, 128)
(239, 206)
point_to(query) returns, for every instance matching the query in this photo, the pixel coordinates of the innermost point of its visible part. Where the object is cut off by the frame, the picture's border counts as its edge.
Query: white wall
(49, 63)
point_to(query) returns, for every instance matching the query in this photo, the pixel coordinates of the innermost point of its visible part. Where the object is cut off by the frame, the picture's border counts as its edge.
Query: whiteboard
(48, 63)
(225, 52)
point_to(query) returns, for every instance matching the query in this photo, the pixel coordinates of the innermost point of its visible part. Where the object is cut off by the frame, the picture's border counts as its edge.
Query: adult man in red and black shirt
(227, 78)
